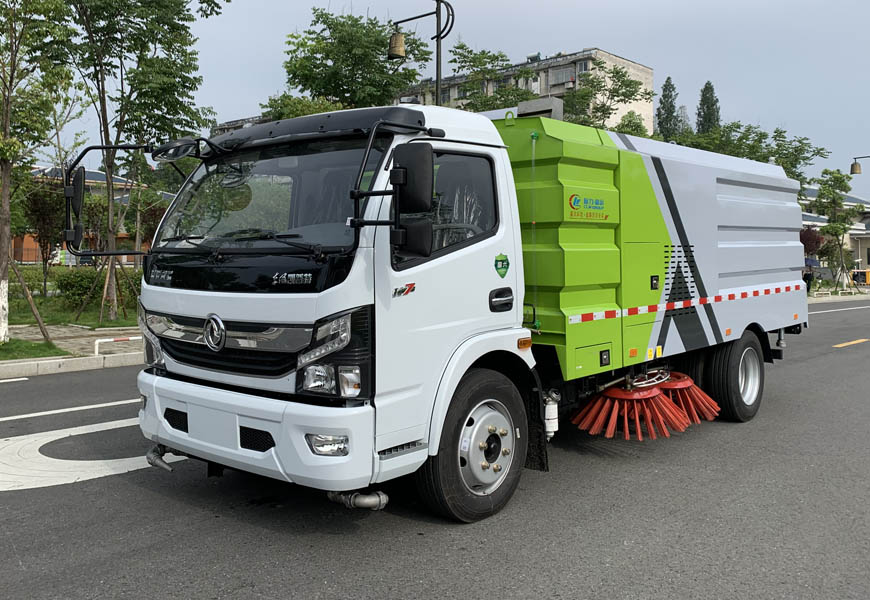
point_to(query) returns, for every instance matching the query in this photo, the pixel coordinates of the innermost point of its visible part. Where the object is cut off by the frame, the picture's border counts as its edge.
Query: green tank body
(593, 241)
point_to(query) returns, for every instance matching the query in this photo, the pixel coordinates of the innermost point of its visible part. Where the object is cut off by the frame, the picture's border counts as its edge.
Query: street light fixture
(855, 169)
(397, 40)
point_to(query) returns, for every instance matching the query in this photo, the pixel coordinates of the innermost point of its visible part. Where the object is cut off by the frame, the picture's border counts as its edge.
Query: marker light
(349, 381)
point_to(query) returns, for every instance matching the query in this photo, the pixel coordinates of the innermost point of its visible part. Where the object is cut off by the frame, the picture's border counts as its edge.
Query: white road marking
(13, 380)
(66, 410)
(22, 467)
(821, 312)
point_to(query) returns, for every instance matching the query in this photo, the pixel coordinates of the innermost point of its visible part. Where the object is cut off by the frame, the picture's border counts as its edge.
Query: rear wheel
(482, 450)
(736, 377)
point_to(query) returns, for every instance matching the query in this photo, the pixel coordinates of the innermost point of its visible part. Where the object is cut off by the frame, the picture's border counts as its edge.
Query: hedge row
(73, 285)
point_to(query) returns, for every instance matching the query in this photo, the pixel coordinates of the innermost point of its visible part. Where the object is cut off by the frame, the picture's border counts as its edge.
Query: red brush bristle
(644, 408)
(684, 393)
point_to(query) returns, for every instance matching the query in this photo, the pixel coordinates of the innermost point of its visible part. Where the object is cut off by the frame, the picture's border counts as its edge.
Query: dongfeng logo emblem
(214, 333)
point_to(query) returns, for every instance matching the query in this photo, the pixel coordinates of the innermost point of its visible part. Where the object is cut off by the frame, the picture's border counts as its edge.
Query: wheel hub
(749, 376)
(486, 447)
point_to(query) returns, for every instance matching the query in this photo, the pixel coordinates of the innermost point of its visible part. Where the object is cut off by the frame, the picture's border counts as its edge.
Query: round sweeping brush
(634, 409)
(681, 389)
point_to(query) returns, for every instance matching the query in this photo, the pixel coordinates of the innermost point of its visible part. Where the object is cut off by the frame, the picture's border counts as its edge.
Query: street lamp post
(855, 169)
(397, 40)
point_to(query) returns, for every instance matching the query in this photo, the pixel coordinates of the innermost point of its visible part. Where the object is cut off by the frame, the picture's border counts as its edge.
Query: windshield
(291, 197)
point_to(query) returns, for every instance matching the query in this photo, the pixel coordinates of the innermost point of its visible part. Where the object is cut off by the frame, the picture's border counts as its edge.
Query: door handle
(501, 300)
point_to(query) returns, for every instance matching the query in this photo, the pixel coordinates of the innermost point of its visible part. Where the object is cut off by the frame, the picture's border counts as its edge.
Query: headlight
(153, 352)
(329, 337)
(339, 362)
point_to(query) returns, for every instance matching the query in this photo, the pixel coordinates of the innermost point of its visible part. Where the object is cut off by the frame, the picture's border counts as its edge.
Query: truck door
(426, 307)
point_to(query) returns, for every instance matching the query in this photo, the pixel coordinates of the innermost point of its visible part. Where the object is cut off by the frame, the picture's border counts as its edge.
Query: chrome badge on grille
(214, 333)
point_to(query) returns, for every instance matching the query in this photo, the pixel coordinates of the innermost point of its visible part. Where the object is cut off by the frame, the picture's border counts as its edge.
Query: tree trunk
(30, 301)
(45, 275)
(138, 259)
(112, 297)
(5, 245)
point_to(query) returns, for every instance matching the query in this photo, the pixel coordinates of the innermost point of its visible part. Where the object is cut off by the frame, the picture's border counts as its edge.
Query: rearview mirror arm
(356, 194)
(75, 163)
(68, 195)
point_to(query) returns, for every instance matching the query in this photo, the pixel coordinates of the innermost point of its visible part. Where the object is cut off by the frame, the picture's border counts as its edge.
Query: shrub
(73, 285)
(32, 277)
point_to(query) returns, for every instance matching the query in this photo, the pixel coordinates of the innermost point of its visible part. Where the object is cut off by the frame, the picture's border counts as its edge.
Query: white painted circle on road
(23, 467)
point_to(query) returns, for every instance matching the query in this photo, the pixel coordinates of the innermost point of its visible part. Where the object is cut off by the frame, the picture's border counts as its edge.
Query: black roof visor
(345, 121)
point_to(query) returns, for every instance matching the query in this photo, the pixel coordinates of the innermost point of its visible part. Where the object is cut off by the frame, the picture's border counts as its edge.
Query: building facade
(552, 76)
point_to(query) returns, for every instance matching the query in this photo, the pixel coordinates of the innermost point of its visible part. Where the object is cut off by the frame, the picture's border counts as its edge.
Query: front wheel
(736, 377)
(482, 450)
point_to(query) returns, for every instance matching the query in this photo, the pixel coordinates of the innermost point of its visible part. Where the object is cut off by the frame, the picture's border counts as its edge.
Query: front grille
(177, 419)
(230, 360)
(255, 439)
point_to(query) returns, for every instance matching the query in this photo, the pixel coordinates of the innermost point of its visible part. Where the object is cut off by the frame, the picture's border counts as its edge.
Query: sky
(796, 64)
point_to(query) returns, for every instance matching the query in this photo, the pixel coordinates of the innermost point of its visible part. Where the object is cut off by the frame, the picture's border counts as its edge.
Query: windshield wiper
(315, 250)
(183, 238)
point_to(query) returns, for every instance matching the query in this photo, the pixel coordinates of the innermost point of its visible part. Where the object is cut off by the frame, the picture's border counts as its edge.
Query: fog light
(319, 378)
(349, 381)
(144, 399)
(327, 445)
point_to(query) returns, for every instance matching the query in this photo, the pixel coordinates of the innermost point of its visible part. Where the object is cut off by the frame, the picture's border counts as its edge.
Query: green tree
(482, 66)
(45, 214)
(600, 92)
(343, 59)
(667, 120)
(138, 63)
(288, 106)
(684, 123)
(829, 202)
(631, 124)
(32, 34)
(708, 110)
(793, 154)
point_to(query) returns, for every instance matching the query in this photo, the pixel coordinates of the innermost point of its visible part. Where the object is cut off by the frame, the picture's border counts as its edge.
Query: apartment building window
(562, 75)
(445, 96)
(503, 82)
(461, 92)
(582, 66)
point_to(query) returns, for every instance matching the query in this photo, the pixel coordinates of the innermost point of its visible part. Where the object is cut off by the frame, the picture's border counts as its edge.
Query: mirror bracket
(398, 236)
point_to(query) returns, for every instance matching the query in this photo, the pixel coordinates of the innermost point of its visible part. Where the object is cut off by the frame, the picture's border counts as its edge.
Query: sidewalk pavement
(78, 341)
(861, 295)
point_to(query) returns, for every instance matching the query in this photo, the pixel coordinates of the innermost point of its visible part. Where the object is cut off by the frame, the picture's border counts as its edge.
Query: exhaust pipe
(155, 457)
(373, 501)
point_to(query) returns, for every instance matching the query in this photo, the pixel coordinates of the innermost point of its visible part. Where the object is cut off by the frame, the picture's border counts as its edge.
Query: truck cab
(310, 317)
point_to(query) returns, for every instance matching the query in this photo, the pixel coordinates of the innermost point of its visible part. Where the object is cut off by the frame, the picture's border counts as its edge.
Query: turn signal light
(524, 343)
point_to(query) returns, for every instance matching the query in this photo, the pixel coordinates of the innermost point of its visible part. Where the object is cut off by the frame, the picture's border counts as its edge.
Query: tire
(735, 378)
(455, 483)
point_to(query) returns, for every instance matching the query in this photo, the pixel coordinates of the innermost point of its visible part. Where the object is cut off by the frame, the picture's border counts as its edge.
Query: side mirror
(175, 150)
(418, 236)
(412, 176)
(78, 192)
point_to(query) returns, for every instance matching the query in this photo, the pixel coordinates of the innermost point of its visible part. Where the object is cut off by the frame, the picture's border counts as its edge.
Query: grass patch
(14, 349)
(53, 312)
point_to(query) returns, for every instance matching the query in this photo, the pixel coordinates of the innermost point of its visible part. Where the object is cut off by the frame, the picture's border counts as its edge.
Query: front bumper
(215, 415)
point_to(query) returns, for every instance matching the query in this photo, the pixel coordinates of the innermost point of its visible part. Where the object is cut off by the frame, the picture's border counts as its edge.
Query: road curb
(48, 366)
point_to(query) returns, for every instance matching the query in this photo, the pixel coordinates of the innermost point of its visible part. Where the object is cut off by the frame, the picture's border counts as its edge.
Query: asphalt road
(774, 508)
